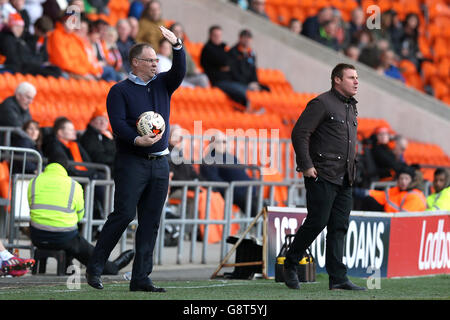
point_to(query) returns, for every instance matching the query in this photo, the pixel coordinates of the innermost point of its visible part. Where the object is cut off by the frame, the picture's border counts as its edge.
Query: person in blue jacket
(141, 168)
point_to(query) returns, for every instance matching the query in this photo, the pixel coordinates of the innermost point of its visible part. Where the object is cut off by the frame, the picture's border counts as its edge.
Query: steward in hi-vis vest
(56, 200)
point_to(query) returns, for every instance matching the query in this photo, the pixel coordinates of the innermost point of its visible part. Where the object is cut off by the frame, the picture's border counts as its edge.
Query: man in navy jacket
(141, 168)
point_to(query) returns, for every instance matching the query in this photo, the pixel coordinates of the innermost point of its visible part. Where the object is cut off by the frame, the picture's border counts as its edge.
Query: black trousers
(328, 205)
(78, 248)
(143, 184)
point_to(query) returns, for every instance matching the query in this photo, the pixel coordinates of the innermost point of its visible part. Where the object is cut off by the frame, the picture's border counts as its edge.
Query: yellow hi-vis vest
(439, 201)
(56, 201)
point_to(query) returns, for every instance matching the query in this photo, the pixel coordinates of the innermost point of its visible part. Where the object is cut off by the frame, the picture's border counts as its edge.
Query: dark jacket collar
(344, 99)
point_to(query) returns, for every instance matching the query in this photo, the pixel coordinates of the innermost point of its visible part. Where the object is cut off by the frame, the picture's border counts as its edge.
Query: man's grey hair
(25, 87)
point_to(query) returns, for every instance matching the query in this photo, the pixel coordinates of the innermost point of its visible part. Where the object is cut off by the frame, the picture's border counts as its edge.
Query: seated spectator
(68, 50)
(149, 24)
(136, 8)
(258, 7)
(38, 41)
(124, 41)
(327, 35)
(231, 172)
(243, 63)
(164, 55)
(403, 197)
(12, 265)
(356, 24)
(193, 77)
(98, 141)
(15, 109)
(64, 141)
(19, 56)
(295, 26)
(386, 162)
(31, 138)
(216, 63)
(57, 228)
(98, 34)
(388, 66)
(114, 57)
(134, 24)
(409, 43)
(440, 199)
(401, 143)
(54, 8)
(311, 26)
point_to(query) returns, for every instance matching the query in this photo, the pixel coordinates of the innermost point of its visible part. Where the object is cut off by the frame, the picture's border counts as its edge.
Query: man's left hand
(169, 35)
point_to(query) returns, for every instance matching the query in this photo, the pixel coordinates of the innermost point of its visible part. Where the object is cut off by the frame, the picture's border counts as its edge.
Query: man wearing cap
(97, 139)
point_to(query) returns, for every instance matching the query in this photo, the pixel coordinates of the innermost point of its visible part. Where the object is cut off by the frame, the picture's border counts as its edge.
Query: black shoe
(94, 281)
(291, 277)
(347, 285)
(124, 259)
(147, 288)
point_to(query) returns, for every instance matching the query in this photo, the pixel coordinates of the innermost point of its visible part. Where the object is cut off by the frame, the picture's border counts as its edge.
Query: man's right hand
(310, 173)
(147, 140)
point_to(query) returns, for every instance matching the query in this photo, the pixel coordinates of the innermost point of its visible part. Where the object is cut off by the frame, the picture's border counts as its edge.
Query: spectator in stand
(13, 265)
(219, 153)
(124, 41)
(194, 76)
(19, 56)
(64, 141)
(409, 45)
(216, 63)
(258, 7)
(134, 24)
(15, 109)
(295, 26)
(395, 29)
(243, 63)
(113, 54)
(401, 143)
(31, 138)
(164, 54)
(19, 5)
(327, 35)
(403, 197)
(311, 26)
(386, 162)
(98, 141)
(356, 24)
(388, 66)
(34, 9)
(68, 50)
(440, 199)
(136, 8)
(352, 52)
(149, 24)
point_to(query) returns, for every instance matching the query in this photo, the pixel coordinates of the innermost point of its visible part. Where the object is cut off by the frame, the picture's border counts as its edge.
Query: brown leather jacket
(324, 137)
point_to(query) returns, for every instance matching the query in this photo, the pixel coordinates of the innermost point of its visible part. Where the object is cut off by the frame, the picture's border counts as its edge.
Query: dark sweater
(126, 101)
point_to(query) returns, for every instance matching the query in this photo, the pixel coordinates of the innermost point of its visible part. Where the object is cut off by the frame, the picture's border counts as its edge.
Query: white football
(150, 122)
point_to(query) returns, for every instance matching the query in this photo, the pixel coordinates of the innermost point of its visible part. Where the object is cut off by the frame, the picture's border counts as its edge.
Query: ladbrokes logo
(434, 248)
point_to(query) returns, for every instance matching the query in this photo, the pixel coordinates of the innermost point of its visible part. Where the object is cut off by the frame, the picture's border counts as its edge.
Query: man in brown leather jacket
(324, 140)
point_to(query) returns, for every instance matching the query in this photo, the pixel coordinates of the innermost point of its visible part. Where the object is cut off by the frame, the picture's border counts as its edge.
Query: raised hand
(169, 35)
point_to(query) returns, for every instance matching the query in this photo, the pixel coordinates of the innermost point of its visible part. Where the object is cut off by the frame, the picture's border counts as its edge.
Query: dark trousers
(143, 184)
(78, 248)
(328, 205)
